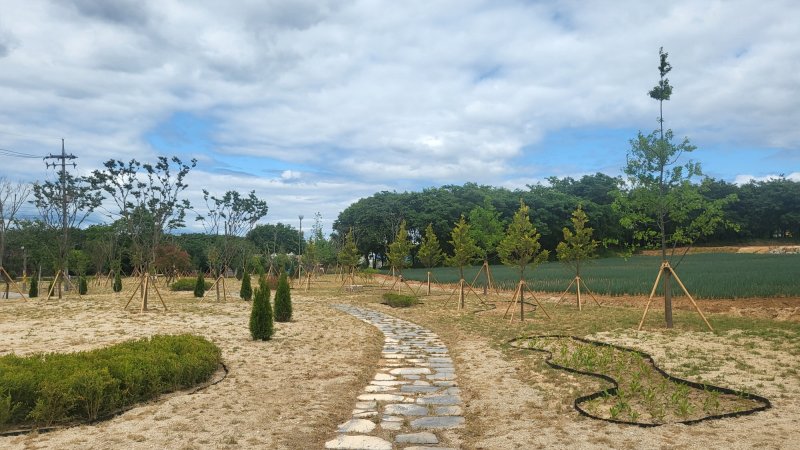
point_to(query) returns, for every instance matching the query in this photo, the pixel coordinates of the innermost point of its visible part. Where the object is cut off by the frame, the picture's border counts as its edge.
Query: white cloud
(390, 94)
(744, 178)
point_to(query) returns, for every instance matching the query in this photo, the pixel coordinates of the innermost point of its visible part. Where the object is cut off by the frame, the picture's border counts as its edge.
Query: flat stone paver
(412, 398)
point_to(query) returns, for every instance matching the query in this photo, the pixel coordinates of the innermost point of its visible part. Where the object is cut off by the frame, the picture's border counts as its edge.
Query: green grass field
(709, 275)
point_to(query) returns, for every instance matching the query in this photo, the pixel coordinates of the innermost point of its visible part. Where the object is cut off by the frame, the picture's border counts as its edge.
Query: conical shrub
(261, 326)
(200, 286)
(283, 300)
(83, 286)
(117, 285)
(34, 289)
(246, 292)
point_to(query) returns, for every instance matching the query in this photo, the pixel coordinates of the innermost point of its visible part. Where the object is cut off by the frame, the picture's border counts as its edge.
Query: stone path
(413, 401)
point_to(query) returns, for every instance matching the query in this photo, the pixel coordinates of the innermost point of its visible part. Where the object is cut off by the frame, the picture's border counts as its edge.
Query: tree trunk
(521, 301)
(668, 298)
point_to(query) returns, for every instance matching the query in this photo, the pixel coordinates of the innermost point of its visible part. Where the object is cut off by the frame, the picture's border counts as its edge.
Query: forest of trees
(761, 210)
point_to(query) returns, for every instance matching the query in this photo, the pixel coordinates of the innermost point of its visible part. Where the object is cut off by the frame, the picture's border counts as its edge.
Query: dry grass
(292, 392)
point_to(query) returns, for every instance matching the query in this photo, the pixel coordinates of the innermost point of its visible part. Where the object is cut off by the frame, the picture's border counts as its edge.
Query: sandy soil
(291, 393)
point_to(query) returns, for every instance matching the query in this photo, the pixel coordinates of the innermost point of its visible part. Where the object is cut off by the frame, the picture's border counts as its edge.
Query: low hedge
(396, 300)
(48, 389)
(187, 284)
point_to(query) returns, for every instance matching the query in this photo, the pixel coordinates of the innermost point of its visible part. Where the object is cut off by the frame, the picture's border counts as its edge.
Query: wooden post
(159, 296)
(8, 277)
(429, 282)
(690, 297)
(146, 282)
(578, 283)
(652, 293)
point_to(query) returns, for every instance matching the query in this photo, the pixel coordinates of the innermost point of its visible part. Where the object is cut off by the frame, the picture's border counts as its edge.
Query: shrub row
(47, 389)
(187, 284)
(396, 300)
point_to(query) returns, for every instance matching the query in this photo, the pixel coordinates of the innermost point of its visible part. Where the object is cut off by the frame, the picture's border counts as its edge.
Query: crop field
(710, 275)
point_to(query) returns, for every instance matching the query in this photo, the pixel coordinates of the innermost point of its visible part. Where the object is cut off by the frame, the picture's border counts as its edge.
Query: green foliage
(188, 284)
(283, 300)
(33, 291)
(261, 326)
(465, 251)
(430, 253)
(83, 286)
(200, 287)
(78, 261)
(49, 389)
(246, 292)
(577, 246)
(520, 247)
(117, 285)
(486, 228)
(348, 255)
(400, 249)
(396, 300)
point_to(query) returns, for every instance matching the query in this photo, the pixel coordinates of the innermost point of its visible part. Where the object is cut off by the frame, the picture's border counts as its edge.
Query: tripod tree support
(577, 281)
(13, 283)
(665, 267)
(144, 286)
(519, 296)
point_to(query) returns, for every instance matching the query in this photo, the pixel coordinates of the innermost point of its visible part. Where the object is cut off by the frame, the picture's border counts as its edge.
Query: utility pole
(63, 157)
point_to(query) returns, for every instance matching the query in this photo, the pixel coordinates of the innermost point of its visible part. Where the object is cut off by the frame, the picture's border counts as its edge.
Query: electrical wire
(16, 154)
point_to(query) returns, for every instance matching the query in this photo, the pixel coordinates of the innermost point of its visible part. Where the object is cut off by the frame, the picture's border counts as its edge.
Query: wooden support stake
(146, 281)
(652, 293)
(159, 297)
(138, 286)
(13, 283)
(690, 297)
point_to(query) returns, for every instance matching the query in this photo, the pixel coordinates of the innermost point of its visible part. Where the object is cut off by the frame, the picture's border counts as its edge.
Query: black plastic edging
(116, 412)
(766, 404)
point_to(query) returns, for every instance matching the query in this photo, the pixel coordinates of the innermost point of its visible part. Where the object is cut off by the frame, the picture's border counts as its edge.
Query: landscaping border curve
(215, 379)
(766, 404)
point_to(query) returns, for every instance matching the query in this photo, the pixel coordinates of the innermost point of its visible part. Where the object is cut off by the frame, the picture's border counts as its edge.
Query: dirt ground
(291, 392)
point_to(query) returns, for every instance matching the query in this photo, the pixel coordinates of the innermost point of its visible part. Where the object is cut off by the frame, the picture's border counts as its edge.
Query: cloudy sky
(315, 104)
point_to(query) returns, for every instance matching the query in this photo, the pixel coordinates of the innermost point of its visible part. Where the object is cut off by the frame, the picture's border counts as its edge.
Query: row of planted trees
(518, 246)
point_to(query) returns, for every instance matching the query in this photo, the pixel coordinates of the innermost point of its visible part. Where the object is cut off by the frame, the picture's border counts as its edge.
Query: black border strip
(766, 404)
(122, 410)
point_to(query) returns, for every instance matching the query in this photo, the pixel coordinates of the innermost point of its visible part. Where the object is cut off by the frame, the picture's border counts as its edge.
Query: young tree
(147, 197)
(430, 252)
(64, 204)
(261, 326)
(230, 217)
(521, 248)
(661, 205)
(34, 289)
(117, 286)
(400, 249)
(577, 246)
(348, 255)
(12, 197)
(283, 300)
(200, 285)
(465, 252)
(486, 228)
(246, 292)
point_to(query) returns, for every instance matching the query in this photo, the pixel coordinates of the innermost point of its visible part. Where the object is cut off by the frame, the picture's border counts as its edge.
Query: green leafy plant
(261, 326)
(47, 389)
(200, 286)
(396, 300)
(83, 286)
(187, 284)
(246, 292)
(283, 300)
(117, 285)
(34, 288)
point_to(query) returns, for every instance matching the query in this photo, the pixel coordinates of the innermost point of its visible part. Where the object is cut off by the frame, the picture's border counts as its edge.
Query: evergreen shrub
(283, 300)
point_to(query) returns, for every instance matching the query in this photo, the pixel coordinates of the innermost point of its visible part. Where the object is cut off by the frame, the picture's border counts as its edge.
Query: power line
(16, 154)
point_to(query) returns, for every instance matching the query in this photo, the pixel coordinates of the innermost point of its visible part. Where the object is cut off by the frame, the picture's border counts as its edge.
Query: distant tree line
(758, 210)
